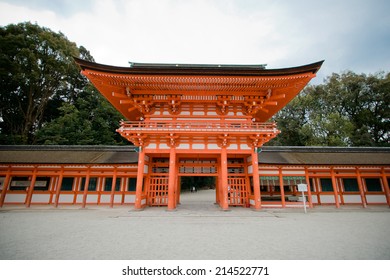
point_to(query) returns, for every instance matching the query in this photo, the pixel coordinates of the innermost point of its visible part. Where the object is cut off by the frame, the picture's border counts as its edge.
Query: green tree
(347, 110)
(363, 101)
(37, 71)
(44, 99)
(90, 120)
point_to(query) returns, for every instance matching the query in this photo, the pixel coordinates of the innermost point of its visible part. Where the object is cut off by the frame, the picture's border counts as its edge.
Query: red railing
(198, 127)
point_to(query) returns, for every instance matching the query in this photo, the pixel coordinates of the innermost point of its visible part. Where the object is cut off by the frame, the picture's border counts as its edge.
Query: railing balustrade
(197, 126)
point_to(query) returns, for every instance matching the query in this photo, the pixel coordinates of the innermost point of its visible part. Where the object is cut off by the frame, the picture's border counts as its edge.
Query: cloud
(280, 33)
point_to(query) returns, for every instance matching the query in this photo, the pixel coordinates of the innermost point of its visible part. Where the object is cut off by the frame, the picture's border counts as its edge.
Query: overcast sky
(348, 35)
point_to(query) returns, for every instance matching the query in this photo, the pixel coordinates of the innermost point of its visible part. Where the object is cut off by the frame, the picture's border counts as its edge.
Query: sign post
(303, 188)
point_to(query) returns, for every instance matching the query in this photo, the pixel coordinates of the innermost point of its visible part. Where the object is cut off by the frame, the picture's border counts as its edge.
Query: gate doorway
(197, 183)
(199, 174)
(198, 191)
(198, 180)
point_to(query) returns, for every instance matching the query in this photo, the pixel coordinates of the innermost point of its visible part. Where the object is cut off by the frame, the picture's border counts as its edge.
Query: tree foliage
(347, 110)
(42, 90)
(90, 120)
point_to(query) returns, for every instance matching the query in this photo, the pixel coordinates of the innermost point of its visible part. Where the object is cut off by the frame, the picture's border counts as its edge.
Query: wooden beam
(308, 187)
(281, 187)
(256, 179)
(58, 187)
(385, 185)
(224, 179)
(140, 176)
(31, 188)
(361, 189)
(335, 192)
(85, 193)
(5, 186)
(172, 179)
(113, 185)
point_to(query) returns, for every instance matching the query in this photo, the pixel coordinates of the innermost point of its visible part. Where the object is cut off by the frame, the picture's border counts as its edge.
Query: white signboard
(302, 187)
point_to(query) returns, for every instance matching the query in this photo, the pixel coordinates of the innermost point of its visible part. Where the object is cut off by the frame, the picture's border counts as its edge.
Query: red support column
(58, 187)
(224, 180)
(219, 185)
(308, 188)
(5, 186)
(178, 188)
(256, 179)
(31, 188)
(113, 185)
(172, 179)
(361, 189)
(386, 186)
(281, 187)
(140, 179)
(335, 191)
(86, 188)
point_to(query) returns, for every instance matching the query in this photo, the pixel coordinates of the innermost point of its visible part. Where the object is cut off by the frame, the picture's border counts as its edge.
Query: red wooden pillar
(281, 187)
(256, 179)
(140, 179)
(58, 187)
(113, 185)
(224, 180)
(308, 188)
(31, 188)
(386, 186)
(335, 191)
(5, 186)
(172, 179)
(361, 189)
(85, 193)
(218, 191)
(178, 188)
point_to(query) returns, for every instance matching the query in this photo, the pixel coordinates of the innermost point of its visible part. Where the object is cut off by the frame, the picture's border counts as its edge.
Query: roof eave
(193, 69)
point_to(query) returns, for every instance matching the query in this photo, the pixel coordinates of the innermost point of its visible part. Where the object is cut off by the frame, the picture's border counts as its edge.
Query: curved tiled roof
(128, 155)
(198, 69)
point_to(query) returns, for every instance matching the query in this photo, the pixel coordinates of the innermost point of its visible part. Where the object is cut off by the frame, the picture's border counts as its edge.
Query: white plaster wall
(350, 198)
(233, 147)
(79, 198)
(40, 198)
(183, 146)
(327, 198)
(212, 146)
(129, 198)
(164, 146)
(118, 198)
(269, 172)
(297, 172)
(245, 147)
(314, 199)
(198, 146)
(250, 169)
(92, 198)
(17, 197)
(152, 146)
(376, 198)
(66, 198)
(105, 198)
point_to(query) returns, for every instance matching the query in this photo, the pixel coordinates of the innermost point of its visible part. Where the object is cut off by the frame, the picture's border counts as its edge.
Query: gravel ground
(197, 230)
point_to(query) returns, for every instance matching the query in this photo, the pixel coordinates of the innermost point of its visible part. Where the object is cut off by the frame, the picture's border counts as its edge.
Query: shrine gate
(210, 119)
